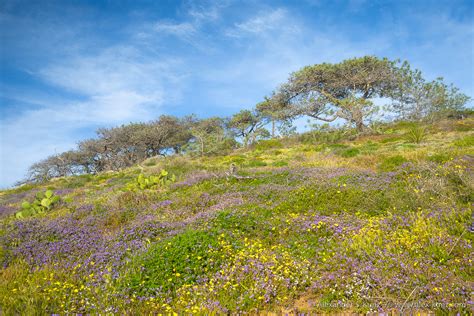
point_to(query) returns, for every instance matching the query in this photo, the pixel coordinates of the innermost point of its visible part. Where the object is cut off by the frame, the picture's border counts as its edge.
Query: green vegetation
(297, 226)
(416, 134)
(210, 216)
(43, 202)
(392, 163)
(152, 182)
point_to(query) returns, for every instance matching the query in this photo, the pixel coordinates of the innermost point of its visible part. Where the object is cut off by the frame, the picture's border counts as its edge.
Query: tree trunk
(357, 117)
(273, 128)
(246, 140)
(360, 126)
(202, 147)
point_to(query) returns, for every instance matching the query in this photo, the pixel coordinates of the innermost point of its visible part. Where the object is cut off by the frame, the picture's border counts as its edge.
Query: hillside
(319, 222)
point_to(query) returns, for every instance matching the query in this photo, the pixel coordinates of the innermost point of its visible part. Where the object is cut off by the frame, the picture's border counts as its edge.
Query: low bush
(280, 163)
(255, 163)
(348, 153)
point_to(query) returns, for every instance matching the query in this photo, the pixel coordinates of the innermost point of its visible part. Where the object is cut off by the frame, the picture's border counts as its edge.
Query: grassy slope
(371, 224)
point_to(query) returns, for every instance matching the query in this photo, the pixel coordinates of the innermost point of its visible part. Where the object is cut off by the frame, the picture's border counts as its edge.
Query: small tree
(211, 136)
(414, 98)
(247, 125)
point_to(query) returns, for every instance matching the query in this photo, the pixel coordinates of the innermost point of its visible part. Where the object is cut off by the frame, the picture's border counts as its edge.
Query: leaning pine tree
(345, 90)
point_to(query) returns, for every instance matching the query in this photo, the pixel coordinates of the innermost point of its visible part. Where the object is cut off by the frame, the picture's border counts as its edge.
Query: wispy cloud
(206, 12)
(183, 30)
(116, 86)
(275, 43)
(262, 23)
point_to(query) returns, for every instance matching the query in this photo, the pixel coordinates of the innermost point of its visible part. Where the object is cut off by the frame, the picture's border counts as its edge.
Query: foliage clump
(143, 182)
(416, 134)
(181, 260)
(43, 202)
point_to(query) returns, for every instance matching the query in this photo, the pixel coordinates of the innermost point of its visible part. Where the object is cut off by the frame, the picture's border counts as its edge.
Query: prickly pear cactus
(44, 201)
(152, 182)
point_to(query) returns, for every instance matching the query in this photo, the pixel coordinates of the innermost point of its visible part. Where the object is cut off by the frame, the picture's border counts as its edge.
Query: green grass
(392, 163)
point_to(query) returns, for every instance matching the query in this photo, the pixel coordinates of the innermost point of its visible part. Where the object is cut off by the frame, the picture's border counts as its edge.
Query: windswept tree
(93, 154)
(168, 134)
(248, 126)
(345, 90)
(60, 165)
(40, 171)
(275, 113)
(123, 147)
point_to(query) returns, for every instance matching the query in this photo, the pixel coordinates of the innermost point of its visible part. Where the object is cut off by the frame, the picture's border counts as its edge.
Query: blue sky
(68, 67)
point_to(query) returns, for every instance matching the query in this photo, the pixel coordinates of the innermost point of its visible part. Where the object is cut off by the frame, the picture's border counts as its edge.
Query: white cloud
(30, 137)
(275, 43)
(262, 23)
(117, 86)
(114, 69)
(183, 30)
(202, 12)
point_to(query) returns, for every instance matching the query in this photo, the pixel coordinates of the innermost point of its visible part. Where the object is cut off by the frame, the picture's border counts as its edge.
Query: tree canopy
(344, 90)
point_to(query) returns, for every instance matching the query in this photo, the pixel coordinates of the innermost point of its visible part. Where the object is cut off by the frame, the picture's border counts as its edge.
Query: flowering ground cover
(366, 225)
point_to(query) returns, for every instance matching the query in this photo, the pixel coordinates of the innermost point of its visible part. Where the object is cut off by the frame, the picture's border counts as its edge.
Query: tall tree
(344, 90)
(275, 113)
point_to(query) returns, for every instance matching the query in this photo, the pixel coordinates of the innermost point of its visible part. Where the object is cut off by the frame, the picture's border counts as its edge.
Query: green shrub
(405, 146)
(238, 160)
(179, 166)
(78, 181)
(370, 147)
(462, 126)
(255, 163)
(44, 201)
(392, 163)
(343, 150)
(338, 146)
(439, 158)
(416, 134)
(389, 131)
(405, 125)
(150, 163)
(389, 140)
(326, 134)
